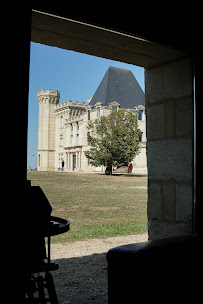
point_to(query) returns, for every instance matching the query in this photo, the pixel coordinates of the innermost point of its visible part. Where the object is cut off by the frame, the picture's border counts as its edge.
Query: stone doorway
(74, 162)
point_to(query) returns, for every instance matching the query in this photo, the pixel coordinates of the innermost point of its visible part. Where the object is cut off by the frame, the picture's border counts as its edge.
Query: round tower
(46, 129)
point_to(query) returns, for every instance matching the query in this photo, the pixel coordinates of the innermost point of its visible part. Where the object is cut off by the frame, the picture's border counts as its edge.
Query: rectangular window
(77, 139)
(61, 121)
(88, 134)
(61, 141)
(88, 115)
(140, 114)
(98, 113)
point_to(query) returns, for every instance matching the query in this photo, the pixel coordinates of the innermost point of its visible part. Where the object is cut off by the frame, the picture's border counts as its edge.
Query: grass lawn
(96, 205)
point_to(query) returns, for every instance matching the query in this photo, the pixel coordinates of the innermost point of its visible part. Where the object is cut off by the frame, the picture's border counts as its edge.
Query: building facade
(62, 132)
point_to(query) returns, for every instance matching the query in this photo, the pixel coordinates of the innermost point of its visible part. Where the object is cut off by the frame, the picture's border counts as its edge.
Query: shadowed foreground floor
(82, 274)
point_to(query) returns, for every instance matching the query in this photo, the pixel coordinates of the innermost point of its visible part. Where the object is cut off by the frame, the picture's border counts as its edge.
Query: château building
(62, 130)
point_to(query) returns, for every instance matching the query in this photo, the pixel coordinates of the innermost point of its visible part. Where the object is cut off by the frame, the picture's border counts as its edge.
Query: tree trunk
(108, 170)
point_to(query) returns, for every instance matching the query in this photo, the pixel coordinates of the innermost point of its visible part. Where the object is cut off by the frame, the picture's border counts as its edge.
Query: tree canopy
(113, 139)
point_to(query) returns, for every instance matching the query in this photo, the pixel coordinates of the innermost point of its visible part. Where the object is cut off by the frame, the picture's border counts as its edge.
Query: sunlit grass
(96, 205)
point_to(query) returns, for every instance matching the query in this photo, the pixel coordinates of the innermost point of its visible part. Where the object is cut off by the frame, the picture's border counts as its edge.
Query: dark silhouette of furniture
(154, 270)
(39, 281)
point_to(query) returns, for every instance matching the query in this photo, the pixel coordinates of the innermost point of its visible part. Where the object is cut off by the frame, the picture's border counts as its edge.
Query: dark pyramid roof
(121, 86)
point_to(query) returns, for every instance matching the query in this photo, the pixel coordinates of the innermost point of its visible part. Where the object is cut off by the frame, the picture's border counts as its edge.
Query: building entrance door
(74, 161)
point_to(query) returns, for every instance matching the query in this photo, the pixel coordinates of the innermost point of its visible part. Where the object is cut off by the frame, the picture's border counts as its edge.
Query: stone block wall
(169, 106)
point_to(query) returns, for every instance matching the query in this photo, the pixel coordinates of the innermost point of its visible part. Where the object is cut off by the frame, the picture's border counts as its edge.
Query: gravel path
(82, 274)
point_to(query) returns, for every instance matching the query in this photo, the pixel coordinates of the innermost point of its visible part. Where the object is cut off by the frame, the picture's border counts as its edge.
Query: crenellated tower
(46, 129)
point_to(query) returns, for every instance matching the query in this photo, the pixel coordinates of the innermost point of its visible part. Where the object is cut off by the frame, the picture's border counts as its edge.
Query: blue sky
(75, 75)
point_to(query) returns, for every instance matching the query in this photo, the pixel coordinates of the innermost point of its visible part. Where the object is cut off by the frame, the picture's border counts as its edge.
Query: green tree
(113, 139)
